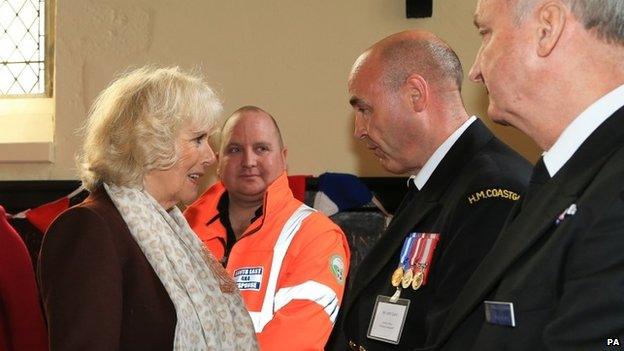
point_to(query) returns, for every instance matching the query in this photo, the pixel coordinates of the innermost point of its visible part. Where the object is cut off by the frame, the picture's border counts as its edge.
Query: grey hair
(133, 125)
(432, 59)
(605, 17)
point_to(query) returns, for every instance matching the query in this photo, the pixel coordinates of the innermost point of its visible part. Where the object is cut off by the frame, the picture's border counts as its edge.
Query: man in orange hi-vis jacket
(289, 261)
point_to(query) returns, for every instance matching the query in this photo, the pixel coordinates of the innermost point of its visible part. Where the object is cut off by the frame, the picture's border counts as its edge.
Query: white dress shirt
(581, 127)
(421, 178)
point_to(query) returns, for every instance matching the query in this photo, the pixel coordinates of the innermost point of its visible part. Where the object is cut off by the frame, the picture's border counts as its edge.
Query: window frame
(32, 112)
(48, 58)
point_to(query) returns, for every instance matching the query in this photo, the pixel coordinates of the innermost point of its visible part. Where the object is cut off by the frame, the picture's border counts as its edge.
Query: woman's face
(180, 183)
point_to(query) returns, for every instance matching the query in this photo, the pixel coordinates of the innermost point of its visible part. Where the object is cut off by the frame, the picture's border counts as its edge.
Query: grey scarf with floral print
(210, 312)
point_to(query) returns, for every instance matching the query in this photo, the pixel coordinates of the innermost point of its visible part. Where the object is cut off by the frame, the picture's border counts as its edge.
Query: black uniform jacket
(466, 201)
(564, 274)
(98, 289)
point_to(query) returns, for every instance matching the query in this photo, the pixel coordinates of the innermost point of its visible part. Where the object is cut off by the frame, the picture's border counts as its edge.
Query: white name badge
(388, 319)
(248, 278)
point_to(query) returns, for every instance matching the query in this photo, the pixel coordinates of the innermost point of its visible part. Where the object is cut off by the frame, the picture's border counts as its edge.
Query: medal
(420, 260)
(407, 278)
(397, 276)
(417, 280)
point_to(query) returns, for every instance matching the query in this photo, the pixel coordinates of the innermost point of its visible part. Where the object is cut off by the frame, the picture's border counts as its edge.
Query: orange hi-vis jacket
(290, 265)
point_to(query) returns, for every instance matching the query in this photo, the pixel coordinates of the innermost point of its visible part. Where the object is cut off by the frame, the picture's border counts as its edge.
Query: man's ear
(551, 22)
(417, 91)
(284, 154)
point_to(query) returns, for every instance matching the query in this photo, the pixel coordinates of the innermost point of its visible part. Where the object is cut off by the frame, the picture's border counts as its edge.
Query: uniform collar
(277, 195)
(581, 128)
(275, 198)
(421, 178)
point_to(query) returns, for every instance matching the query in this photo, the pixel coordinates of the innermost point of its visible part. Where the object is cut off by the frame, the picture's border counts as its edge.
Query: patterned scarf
(210, 311)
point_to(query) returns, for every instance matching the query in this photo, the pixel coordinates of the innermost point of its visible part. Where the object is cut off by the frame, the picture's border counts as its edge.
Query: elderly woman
(123, 270)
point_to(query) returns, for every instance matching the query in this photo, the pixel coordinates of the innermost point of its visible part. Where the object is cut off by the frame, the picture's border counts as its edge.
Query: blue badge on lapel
(568, 212)
(500, 313)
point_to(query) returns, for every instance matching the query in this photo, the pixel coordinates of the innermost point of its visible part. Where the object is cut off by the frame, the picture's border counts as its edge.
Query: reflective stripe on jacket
(290, 265)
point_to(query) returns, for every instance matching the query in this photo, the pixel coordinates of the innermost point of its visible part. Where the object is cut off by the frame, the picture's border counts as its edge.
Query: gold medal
(407, 278)
(396, 277)
(418, 280)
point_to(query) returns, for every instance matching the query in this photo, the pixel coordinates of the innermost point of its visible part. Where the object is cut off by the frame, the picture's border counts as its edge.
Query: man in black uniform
(405, 91)
(555, 278)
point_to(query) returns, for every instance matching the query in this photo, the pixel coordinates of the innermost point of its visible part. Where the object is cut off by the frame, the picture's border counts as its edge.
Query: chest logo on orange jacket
(248, 278)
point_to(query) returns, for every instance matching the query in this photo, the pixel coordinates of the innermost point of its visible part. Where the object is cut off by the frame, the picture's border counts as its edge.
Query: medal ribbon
(423, 254)
(404, 258)
(404, 261)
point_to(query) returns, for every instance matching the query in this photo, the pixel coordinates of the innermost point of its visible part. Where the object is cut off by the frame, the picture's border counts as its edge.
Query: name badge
(388, 319)
(500, 313)
(248, 278)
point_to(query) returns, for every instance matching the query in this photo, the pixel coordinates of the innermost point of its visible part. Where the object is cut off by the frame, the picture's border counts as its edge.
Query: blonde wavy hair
(134, 123)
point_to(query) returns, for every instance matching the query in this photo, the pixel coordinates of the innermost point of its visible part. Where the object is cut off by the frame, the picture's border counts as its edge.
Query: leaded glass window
(24, 65)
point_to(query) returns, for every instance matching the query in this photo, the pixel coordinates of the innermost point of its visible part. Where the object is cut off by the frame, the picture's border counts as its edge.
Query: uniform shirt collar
(421, 178)
(580, 129)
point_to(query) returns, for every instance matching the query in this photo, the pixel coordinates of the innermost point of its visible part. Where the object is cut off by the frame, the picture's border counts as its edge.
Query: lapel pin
(569, 212)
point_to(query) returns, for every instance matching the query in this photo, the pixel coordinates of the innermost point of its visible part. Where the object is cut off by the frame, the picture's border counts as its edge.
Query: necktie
(412, 190)
(540, 173)
(538, 178)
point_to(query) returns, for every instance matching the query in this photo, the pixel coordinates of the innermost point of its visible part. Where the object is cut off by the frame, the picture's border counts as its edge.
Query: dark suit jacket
(468, 224)
(99, 291)
(564, 278)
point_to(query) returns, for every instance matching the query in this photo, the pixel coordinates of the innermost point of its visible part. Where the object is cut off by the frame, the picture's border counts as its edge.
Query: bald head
(258, 113)
(251, 155)
(412, 52)
(405, 92)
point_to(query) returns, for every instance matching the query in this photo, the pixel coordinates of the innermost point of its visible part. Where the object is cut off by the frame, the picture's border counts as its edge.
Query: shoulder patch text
(488, 193)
